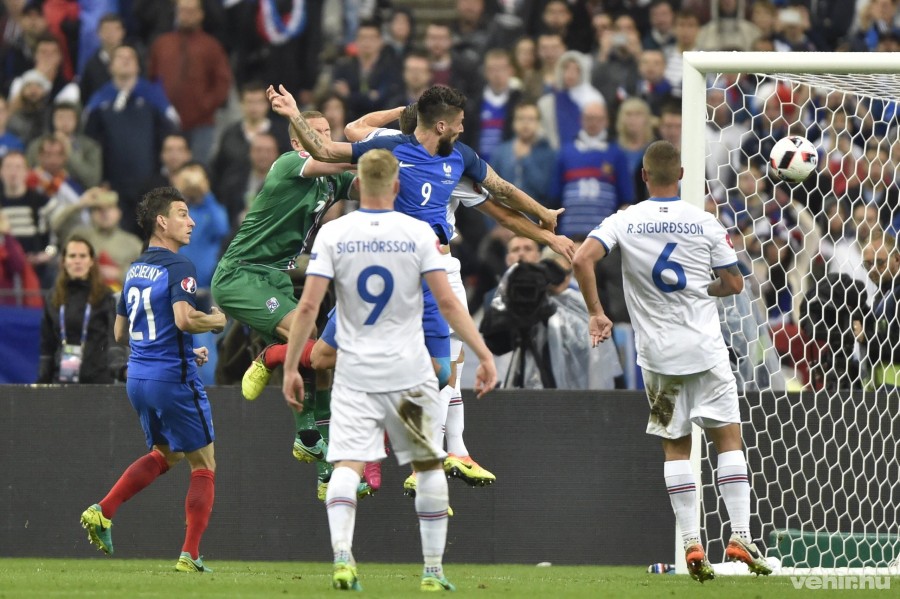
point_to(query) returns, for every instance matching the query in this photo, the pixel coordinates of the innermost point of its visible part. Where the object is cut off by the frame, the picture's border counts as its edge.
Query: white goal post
(841, 445)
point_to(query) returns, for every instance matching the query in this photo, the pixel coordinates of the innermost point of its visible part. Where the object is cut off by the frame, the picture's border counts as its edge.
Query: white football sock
(432, 501)
(683, 495)
(734, 488)
(456, 417)
(340, 503)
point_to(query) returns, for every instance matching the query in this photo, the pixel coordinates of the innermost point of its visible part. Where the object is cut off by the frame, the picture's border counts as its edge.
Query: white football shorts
(456, 283)
(708, 399)
(359, 420)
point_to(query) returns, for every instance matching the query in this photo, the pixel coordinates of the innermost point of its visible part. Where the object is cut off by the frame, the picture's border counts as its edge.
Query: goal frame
(696, 66)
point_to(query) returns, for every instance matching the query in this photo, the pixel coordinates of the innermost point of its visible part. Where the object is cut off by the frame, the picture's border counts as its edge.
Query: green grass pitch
(69, 578)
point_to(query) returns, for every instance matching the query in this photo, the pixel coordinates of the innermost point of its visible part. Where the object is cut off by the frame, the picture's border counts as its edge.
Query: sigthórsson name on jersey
(376, 247)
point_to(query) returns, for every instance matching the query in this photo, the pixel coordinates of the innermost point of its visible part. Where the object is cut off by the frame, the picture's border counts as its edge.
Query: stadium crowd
(102, 102)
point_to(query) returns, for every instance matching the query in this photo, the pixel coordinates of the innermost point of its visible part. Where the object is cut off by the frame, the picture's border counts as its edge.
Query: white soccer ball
(793, 159)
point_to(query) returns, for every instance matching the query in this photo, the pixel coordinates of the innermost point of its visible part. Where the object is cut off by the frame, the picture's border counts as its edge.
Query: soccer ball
(793, 159)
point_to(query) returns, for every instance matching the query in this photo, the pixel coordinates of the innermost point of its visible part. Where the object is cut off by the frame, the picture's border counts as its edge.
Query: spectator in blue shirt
(527, 161)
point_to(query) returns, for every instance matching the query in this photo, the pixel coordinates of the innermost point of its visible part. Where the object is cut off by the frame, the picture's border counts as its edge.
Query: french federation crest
(272, 304)
(448, 170)
(189, 284)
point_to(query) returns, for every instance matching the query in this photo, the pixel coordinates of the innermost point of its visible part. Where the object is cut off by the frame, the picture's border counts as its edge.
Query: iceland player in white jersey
(669, 250)
(383, 379)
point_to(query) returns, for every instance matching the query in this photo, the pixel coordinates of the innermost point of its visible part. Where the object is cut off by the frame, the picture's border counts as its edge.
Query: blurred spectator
(12, 43)
(211, 221)
(130, 117)
(830, 22)
(592, 178)
(662, 27)
(116, 249)
(561, 109)
(873, 184)
(12, 263)
(335, 110)
(515, 249)
(367, 80)
(195, 73)
(8, 141)
(287, 52)
(26, 211)
(77, 332)
(764, 14)
(525, 69)
(50, 178)
(550, 48)
(48, 62)
(875, 18)
(615, 73)
(18, 57)
(793, 25)
(879, 331)
(149, 19)
(634, 132)
(448, 68)
(84, 157)
(527, 161)
(471, 36)
(416, 79)
(111, 33)
(723, 138)
(30, 108)
(489, 113)
(231, 164)
(653, 87)
(687, 28)
(175, 153)
(727, 29)
(766, 128)
(399, 32)
(558, 17)
(237, 199)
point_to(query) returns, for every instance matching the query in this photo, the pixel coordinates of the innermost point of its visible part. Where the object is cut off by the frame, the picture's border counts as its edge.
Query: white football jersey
(466, 192)
(668, 250)
(377, 259)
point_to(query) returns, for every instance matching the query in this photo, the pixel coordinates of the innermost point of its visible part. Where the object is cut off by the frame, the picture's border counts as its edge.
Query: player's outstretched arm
(459, 319)
(361, 127)
(730, 281)
(590, 252)
(515, 198)
(325, 150)
(301, 328)
(191, 320)
(523, 227)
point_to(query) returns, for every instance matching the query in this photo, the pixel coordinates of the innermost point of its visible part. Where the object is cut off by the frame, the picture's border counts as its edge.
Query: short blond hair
(662, 161)
(377, 170)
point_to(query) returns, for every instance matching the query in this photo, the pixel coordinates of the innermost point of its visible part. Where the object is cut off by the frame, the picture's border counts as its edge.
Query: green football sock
(306, 419)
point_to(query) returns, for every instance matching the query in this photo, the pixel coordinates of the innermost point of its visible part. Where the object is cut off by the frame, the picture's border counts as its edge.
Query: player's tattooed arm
(522, 226)
(321, 149)
(730, 281)
(361, 127)
(513, 197)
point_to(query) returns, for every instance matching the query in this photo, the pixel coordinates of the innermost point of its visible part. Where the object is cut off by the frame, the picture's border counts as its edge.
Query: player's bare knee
(323, 356)
(677, 449)
(203, 458)
(726, 437)
(172, 457)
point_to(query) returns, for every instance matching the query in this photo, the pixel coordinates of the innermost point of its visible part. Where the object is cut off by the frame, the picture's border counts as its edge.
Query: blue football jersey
(427, 181)
(153, 284)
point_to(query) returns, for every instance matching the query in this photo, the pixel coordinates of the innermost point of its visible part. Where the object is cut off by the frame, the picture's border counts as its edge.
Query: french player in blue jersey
(432, 162)
(157, 314)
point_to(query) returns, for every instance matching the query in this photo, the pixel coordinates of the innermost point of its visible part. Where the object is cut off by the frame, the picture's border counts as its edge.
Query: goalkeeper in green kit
(251, 283)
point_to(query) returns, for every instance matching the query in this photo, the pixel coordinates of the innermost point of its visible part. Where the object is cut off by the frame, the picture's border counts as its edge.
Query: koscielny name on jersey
(376, 247)
(664, 227)
(144, 271)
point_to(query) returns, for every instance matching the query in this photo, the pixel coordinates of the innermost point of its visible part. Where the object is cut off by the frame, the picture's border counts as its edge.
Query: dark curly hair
(440, 103)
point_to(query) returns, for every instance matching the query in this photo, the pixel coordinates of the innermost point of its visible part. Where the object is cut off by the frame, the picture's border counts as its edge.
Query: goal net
(820, 411)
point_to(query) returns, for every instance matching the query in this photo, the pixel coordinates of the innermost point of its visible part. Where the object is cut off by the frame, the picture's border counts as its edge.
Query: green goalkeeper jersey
(286, 213)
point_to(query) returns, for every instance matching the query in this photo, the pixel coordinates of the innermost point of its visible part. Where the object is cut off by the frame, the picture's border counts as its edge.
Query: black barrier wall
(578, 483)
